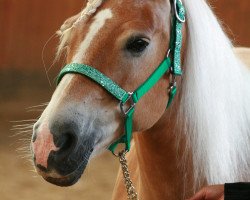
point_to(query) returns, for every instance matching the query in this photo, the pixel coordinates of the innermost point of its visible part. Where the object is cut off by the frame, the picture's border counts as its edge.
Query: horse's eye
(137, 45)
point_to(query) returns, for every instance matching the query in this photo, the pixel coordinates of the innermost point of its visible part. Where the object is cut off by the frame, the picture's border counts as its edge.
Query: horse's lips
(52, 176)
(63, 182)
(70, 179)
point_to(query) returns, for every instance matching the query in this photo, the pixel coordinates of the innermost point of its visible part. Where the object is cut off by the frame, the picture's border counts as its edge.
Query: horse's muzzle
(60, 153)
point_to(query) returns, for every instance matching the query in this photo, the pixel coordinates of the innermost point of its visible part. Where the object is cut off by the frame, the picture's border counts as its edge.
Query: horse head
(126, 41)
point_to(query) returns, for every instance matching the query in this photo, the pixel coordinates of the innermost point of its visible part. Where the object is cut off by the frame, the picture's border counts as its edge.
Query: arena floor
(19, 90)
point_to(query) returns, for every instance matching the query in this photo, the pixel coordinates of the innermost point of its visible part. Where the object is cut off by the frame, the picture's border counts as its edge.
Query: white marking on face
(100, 124)
(58, 94)
(95, 27)
(94, 118)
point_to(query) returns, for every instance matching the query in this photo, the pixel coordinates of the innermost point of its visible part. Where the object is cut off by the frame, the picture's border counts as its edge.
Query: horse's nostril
(68, 142)
(64, 161)
(72, 148)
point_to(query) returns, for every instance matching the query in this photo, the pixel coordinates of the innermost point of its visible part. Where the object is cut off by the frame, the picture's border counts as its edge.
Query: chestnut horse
(203, 138)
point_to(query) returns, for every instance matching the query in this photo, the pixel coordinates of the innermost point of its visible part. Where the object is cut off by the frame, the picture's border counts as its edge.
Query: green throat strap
(128, 100)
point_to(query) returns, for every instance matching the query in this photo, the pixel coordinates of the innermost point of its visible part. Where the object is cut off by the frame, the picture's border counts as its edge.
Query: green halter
(132, 98)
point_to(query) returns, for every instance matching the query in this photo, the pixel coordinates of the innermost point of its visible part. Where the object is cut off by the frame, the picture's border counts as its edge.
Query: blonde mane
(215, 100)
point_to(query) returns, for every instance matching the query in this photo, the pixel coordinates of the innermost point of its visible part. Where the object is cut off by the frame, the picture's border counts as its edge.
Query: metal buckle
(176, 12)
(171, 87)
(119, 153)
(132, 104)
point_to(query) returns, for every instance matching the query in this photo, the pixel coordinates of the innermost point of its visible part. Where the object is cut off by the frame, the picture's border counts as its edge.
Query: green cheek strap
(128, 100)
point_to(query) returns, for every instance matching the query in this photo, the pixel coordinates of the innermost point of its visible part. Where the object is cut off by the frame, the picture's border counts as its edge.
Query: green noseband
(128, 100)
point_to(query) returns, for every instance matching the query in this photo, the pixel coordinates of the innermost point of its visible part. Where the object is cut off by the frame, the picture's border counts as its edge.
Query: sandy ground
(19, 90)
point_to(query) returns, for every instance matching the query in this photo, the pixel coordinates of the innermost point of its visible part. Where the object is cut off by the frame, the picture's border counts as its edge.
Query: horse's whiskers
(23, 142)
(25, 132)
(24, 139)
(21, 132)
(35, 110)
(22, 121)
(24, 149)
(25, 157)
(33, 170)
(22, 128)
(23, 125)
(38, 106)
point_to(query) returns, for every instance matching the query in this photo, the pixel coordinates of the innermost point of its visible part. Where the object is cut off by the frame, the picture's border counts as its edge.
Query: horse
(201, 139)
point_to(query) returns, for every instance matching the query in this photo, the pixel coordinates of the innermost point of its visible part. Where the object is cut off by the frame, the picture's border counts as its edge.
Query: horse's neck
(156, 164)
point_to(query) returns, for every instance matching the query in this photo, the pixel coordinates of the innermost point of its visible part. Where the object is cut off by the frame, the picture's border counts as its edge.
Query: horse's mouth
(68, 180)
(65, 181)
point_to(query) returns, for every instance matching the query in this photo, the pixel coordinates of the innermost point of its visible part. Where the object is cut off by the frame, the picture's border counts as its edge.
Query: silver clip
(132, 105)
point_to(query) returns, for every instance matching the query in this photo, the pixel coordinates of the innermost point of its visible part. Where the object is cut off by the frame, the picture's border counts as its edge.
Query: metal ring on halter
(119, 153)
(176, 12)
(132, 105)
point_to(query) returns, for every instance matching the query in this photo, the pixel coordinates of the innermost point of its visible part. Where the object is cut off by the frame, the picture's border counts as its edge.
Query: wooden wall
(26, 25)
(235, 17)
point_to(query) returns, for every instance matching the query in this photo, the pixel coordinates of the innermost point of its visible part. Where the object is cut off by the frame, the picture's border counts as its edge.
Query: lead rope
(131, 191)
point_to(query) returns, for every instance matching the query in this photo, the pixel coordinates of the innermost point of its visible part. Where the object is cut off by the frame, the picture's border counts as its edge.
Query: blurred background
(25, 29)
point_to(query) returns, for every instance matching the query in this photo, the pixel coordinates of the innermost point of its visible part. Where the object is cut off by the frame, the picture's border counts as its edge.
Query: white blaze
(98, 23)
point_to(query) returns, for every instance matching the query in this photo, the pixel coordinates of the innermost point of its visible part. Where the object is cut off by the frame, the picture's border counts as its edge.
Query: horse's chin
(67, 180)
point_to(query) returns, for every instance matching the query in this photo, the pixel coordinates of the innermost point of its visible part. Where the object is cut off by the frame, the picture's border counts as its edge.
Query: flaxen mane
(215, 100)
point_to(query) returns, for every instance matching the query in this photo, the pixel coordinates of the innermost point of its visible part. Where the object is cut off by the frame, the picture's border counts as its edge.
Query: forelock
(90, 9)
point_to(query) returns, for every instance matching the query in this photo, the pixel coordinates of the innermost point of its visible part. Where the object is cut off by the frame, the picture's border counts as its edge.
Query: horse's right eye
(137, 45)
